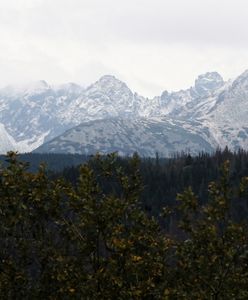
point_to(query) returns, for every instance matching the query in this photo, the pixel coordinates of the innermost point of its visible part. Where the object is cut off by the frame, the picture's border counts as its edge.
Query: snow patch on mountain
(7, 143)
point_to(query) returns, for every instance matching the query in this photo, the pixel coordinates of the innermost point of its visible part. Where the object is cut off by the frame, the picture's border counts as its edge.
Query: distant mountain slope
(127, 136)
(37, 113)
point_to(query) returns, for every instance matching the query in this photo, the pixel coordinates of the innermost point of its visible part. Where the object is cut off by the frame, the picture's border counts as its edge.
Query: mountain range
(107, 116)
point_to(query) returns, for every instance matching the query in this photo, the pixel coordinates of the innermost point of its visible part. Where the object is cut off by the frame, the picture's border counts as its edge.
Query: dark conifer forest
(164, 178)
(124, 228)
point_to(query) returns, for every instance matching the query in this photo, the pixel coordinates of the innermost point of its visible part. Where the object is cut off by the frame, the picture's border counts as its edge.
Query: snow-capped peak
(38, 112)
(208, 82)
(109, 83)
(108, 78)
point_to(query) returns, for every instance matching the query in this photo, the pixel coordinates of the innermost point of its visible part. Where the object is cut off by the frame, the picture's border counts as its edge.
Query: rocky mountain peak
(109, 82)
(38, 112)
(111, 88)
(208, 82)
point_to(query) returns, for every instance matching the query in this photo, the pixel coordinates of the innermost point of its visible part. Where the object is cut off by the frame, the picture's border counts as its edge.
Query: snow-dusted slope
(228, 118)
(127, 136)
(7, 143)
(36, 113)
(108, 97)
(212, 109)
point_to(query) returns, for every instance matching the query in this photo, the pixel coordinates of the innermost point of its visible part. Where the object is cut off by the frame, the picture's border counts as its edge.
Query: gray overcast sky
(152, 45)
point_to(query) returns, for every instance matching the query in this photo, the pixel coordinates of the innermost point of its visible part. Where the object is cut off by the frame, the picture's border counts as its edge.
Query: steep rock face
(228, 119)
(108, 97)
(207, 83)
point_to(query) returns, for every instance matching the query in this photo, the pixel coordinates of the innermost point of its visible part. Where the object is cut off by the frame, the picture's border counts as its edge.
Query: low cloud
(165, 43)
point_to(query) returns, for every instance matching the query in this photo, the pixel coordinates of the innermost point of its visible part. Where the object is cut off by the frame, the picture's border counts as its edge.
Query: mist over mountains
(107, 116)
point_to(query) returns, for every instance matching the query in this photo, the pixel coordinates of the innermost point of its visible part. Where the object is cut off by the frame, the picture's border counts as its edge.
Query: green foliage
(93, 240)
(65, 242)
(212, 260)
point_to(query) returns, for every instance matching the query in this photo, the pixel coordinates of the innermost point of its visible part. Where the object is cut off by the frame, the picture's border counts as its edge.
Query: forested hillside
(90, 238)
(164, 178)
